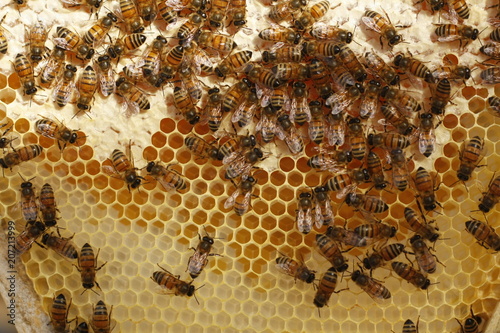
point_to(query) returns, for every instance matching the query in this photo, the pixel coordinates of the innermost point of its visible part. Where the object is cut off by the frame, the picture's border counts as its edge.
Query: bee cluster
(310, 93)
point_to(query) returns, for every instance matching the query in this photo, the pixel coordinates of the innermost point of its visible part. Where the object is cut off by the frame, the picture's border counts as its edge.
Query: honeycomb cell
(3, 81)
(7, 96)
(13, 81)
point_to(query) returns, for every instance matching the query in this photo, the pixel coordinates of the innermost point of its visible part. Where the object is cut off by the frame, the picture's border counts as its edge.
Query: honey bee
(400, 100)
(87, 85)
(373, 232)
(490, 75)
(106, 77)
(280, 34)
(460, 8)
(330, 250)
(425, 230)
(81, 328)
(135, 99)
(87, 266)
(24, 70)
(411, 275)
(326, 288)
(389, 140)
(3, 38)
(170, 63)
(329, 161)
(215, 41)
(317, 125)
(240, 199)
(413, 66)
(263, 76)
(492, 50)
(490, 198)
(199, 260)
(133, 21)
(346, 182)
(185, 105)
(345, 236)
(242, 163)
(366, 203)
(94, 5)
(494, 105)
(357, 138)
(235, 95)
(198, 59)
(342, 78)
(297, 270)
(484, 234)
(147, 10)
(151, 59)
(351, 62)
(321, 31)
(284, 10)
(193, 5)
(59, 313)
(4, 141)
(427, 135)
(68, 40)
(321, 78)
(101, 319)
(212, 110)
(304, 213)
(344, 98)
(48, 205)
(218, 12)
(396, 119)
(470, 155)
(190, 82)
(471, 324)
(63, 246)
(37, 36)
(189, 28)
(290, 71)
(267, 124)
(28, 202)
(233, 63)
(94, 36)
(167, 13)
(246, 111)
(312, 14)
(425, 259)
(400, 174)
(285, 53)
(425, 188)
(376, 22)
(380, 256)
(53, 67)
(29, 235)
(238, 12)
(451, 32)
(123, 168)
(22, 154)
(369, 101)
(54, 129)
(167, 177)
(126, 44)
(452, 72)
(436, 5)
(323, 214)
(376, 171)
(300, 112)
(64, 89)
(169, 282)
(369, 285)
(287, 132)
(378, 68)
(201, 148)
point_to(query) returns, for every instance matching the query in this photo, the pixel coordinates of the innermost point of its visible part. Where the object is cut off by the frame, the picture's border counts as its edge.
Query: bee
(396, 119)
(190, 82)
(344, 98)
(4, 141)
(170, 63)
(321, 31)
(330, 161)
(321, 78)
(369, 102)
(376, 170)
(452, 72)
(136, 100)
(87, 266)
(287, 132)
(213, 110)
(376, 22)
(366, 203)
(411, 275)
(312, 14)
(494, 105)
(218, 12)
(490, 75)
(323, 214)
(425, 188)
(280, 34)
(101, 319)
(54, 129)
(28, 202)
(167, 13)
(94, 5)
(201, 148)
(284, 10)
(235, 95)
(238, 12)
(147, 10)
(285, 53)
(373, 232)
(400, 174)
(53, 67)
(24, 70)
(492, 50)
(330, 250)
(379, 68)
(126, 44)
(97, 32)
(63, 246)
(3, 38)
(389, 140)
(291, 71)
(460, 7)
(436, 5)
(215, 41)
(357, 138)
(380, 256)
(291, 267)
(342, 78)
(400, 100)
(471, 324)
(426, 261)
(490, 198)
(22, 154)
(133, 21)
(326, 288)
(242, 162)
(48, 205)
(87, 85)
(470, 155)
(151, 59)
(413, 66)
(240, 199)
(193, 5)
(300, 112)
(59, 313)
(452, 32)
(106, 77)
(346, 182)
(37, 36)
(65, 87)
(233, 63)
(198, 59)
(199, 260)
(167, 177)
(123, 168)
(81, 328)
(68, 40)
(267, 124)
(317, 125)
(369, 285)
(189, 28)
(425, 230)
(427, 135)
(495, 35)
(171, 282)
(26, 238)
(263, 77)
(185, 105)
(351, 62)
(304, 213)
(246, 111)
(345, 236)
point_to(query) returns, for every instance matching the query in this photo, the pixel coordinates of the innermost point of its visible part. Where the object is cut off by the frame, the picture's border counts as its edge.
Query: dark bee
(280, 34)
(65, 88)
(22, 154)
(133, 22)
(136, 100)
(351, 62)
(484, 234)
(81, 328)
(345, 236)
(218, 12)
(171, 61)
(409, 327)
(425, 259)
(106, 76)
(199, 260)
(331, 251)
(367, 203)
(4, 141)
(336, 125)
(242, 163)
(70, 41)
(317, 124)
(399, 166)
(200, 147)
(24, 70)
(470, 155)
(369, 101)
(126, 44)
(425, 230)
(452, 72)
(87, 266)
(411, 275)
(246, 111)
(427, 135)
(280, 99)
(233, 63)
(330, 161)
(376, 170)
(171, 283)
(490, 75)
(215, 41)
(53, 67)
(59, 314)
(235, 145)
(312, 14)
(471, 324)
(389, 140)
(323, 214)
(322, 31)
(48, 205)
(263, 76)
(63, 246)
(491, 50)
(357, 138)
(290, 267)
(167, 177)
(191, 26)
(490, 197)
(235, 95)
(147, 10)
(380, 256)
(238, 12)
(267, 124)
(285, 53)
(240, 199)
(300, 113)
(87, 85)
(283, 10)
(304, 213)
(151, 59)
(326, 288)
(321, 78)
(190, 83)
(425, 187)
(101, 319)
(376, 22)
(397, 119)
(373, 232)
(452, 32)
(29, 235)
(369, 285)
(413, 66)
(346, 182)
(380, 69)
(401, 100)
(123, 168)
(28, 202)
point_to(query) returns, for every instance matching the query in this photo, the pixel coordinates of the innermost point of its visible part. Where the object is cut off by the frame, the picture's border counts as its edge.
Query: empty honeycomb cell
(84, 183)
(441, 164)
(13, 81)
(477, 104)
(259, 237)
(251, 222)
(278, 178)
(55, 281)
(7, 96)
(482, 92)
(8, 197)
(192, 172)
(208, 203)
(167, 125)
(182, 215)
(268, 193)
(77, 169)
(477, 131)
(468, 92)
(222, 319)
(269, 222)
(459, 194)
(191, 231)
(242, 265)
(175, 141)
(33, 270)
(295, 179)
(182, 156)
(459, 135)
(250, 251)
(287, 164)
(41, 286)
(190, 201)
(216, 188)
(286, 194)
(150, 153)
(3, 81)
(450, 121)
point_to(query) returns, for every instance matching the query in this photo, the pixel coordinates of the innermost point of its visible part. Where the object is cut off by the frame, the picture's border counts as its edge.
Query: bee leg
(98, 268)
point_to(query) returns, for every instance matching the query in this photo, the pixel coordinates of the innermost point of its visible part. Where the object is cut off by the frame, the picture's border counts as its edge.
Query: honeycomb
(242, 290)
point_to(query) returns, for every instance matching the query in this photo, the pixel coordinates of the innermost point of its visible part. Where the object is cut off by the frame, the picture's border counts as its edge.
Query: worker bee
(317, 125)
(401, 100)
(54, 129)
(376, 22)
(453, 72)
(351, 62)
(171, 61)
(284, 10)
(29, 235)
(241, 163)
(389, 140)
(24, 70)
(81, 328)
(490, 75)
(304, 213)
(167, 177)
(87, 85)
(435, 5)
(411, 275)
(330, 250)
(106, 77)
(28, 202)
(495, 35)
(323, 214)
(135, 99)
(369, 101)
(321, 78)
(48, 205)
(233, 63)
(282, 53)
(427, 135)
(396, 119)
(212, 111)
(235, 95)
(344, 98)
(492, 50)
(94, 5)
(470, 155)
(4, 141)
(263, 76)
(125, 44)
(215, 41)
(190, 82)
(399, 166)
(101, 319)
(22, 154)
(300, 112)
(240, 198)
(369, 285)
(87, 266)
(246, 111)
(471, 324)
(169, 282)
(366, 203)
(346, 182)
(490, 198)
(59, 313)
(380, 256)
(331, 160)
(3, 38)
(189, 28)
(451, 32)
(267, 124)
(326, 288)
(147, 10)
(378, 68)
(199, 260)
(37, 36)
(63, 246)
(357, 138)
(375, 171)
(238, 12)
(320, 48)
(321, 31)
(94, 36)
(198, 59)
(70, 41)
(425, 259)
(460, 8)
(201, 148)
(336, 125)
(373, 232)
(425, 230)
(297, 270)
(218, 12)
(167, 12)
(64, 89)
(151, 59)
(290, 71)
(312, 14)
(286, 131)
(130, 16)
(53, 67)
(185, 105)
(484, 234)
(345, 236)
(413, 66)
(494, 105)
(280, 34)
(123, 168)
(425, 188)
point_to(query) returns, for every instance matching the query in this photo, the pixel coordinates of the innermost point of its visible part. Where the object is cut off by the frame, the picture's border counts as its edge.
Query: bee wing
(280, 133)
(368, 107)
(416, 82)
(177, 5)
(129, 107)
(197, 262)
(230, 201)
(62, 43)
(371, 23)
(107, 83)
(166, 185)
(494, 21)
(336, 136)
(338, 102)
(348, 189)
(238, 114)
(425, 140)
(109, 170)
(294, 143)
(246, 200)
(450, 38)
(72, 2)
(327, 209)
(318, 216)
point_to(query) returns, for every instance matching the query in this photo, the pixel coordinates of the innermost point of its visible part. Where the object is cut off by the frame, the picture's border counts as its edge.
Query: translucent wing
(371, 23)
(230, 201)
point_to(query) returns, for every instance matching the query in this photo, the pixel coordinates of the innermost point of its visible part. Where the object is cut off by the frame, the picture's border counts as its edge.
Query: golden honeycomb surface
(242, 290)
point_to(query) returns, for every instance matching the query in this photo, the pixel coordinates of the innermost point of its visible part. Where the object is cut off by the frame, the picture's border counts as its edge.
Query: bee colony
(139, 112)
